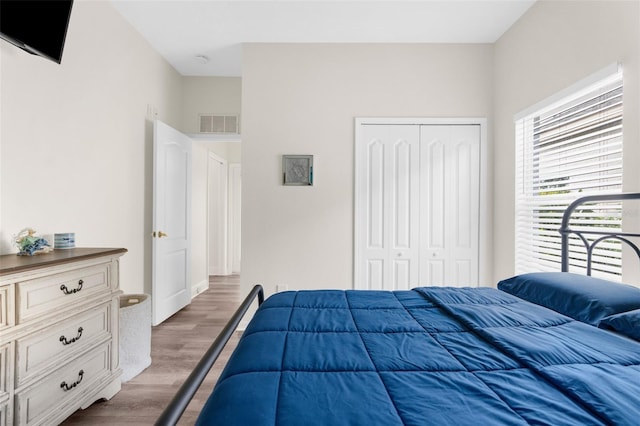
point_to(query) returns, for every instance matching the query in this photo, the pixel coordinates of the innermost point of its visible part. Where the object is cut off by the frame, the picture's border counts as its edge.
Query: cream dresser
(58, 333)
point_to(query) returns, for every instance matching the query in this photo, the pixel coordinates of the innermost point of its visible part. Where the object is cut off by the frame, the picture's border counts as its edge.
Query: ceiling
(183, 30)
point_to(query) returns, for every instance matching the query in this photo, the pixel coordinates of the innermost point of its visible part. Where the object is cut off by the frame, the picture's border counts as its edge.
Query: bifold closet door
(449, 205)
(388, 184)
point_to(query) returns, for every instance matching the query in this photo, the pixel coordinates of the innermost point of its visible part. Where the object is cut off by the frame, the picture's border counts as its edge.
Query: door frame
(235, 217)
(485, 224)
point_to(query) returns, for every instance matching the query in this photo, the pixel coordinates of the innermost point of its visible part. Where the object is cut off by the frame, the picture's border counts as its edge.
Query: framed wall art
(297, 170)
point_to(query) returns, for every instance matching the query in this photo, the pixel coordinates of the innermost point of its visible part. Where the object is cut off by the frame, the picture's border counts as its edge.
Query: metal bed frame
(183, 397)
(185, 394)
(566, 231)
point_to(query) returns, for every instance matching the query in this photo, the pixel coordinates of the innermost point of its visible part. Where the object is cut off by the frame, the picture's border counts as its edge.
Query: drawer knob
(65, 387)
(65, 290)
(65, 342)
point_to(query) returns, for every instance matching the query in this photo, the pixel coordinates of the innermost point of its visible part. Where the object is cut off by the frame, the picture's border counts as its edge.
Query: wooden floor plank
(176, 347)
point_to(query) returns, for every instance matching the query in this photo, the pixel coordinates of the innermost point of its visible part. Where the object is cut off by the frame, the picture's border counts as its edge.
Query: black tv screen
(38, 27)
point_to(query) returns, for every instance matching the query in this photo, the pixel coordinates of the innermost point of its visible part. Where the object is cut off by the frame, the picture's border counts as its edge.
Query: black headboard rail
(566, 231)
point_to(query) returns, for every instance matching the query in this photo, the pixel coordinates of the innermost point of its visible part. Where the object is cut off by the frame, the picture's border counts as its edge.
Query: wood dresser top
(11, 263)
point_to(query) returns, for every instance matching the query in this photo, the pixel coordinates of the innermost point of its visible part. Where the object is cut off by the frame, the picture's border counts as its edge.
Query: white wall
(303, 99)
(229, 151)
(555, 44)
(209, 95)
(199, 219)
(75, 140)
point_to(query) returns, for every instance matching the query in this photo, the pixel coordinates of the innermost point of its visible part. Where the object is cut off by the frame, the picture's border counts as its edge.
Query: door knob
(161, 234)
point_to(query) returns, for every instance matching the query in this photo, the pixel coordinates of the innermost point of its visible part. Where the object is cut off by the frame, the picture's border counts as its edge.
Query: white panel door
(387, 185)
(449, 205)
(171, 258)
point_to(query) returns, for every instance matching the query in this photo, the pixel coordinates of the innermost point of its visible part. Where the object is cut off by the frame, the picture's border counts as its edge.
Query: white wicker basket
(135, 334)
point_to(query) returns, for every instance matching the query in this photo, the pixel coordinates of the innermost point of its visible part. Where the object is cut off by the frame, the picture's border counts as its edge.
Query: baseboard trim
(199, 288)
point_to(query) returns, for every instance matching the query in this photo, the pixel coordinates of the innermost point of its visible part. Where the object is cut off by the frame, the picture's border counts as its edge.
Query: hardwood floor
(176, 347)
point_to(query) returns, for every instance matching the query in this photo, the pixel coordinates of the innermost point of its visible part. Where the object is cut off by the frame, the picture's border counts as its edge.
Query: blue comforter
(442, 356)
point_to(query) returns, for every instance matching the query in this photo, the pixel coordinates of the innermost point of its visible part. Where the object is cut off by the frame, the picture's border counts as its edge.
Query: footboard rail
(565, 230)
(183, 397)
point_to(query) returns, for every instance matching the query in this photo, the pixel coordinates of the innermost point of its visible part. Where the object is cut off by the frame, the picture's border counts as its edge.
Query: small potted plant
(29, 243)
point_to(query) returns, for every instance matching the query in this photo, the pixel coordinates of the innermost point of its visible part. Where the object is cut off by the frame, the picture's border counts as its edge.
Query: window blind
(566, 150)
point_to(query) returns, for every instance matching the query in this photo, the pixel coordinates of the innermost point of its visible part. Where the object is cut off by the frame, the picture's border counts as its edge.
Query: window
(566, 148)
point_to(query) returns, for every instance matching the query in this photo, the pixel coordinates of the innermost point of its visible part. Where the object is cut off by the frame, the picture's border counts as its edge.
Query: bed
(542, 348)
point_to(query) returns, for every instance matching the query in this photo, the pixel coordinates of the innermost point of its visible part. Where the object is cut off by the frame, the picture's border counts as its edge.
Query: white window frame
(541, 158)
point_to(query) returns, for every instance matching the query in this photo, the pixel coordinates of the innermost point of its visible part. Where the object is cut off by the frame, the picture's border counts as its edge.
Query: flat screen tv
(38, 27)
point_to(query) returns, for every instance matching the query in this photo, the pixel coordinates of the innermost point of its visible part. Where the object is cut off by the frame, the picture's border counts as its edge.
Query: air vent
(215, 123)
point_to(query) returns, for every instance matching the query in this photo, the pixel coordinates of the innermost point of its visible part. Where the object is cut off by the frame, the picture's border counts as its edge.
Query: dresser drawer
(67, 384)
(59, 342)
(60, 291)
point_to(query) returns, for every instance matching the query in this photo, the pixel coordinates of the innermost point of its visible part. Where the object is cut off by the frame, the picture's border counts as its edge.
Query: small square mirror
(297, 170)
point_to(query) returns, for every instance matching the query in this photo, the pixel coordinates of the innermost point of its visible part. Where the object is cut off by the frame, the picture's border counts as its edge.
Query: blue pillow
(627, 323)
(580, 297)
